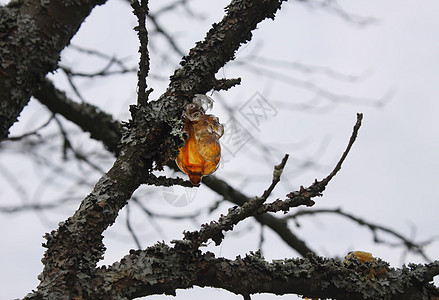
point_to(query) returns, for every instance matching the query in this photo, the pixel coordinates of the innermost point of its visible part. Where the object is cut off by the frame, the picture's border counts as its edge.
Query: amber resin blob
(201, 153)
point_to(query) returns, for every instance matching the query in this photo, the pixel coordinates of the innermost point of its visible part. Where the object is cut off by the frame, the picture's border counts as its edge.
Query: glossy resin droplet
(201, 153)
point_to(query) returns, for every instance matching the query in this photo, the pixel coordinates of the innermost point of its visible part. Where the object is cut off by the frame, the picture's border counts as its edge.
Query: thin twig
(409, 244)
(167, 181)
(214, 230)
(67, 145)
(149, 213)
(104, 72)
(306, 69)
(38, 206)
(277, 172)
(335, 8)
(130, 228)
(346, 152)
(141, 11)
(317, 92)
(304, 195)
(158, 229)
(73, 85)
(33, 132)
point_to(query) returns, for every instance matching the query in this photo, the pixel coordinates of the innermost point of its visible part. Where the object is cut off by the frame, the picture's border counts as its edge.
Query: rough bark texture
(103, 128)
(89, 118)
(32, 35)
(161, 270)
(149, 141)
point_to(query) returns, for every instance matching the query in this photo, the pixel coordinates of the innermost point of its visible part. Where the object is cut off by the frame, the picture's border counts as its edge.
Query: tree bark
(149, 141)
(32, 35)
(161, 270)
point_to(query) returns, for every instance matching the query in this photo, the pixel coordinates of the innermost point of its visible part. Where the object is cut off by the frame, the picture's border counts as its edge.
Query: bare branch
(32, 30)
(33, 132)
(337, 168)
(318, 93)
(305, 68)
(152, 138)
(214, 230)
(304, 195)
(37, 206)
(141, 11)
(67, 107)
(277, 225)
(161, 270)
(225, 84)
(167, 181)
(130, 228)
(103, 72)
(159, 28)
(375, 228)
(99, 124)
(151, 217)
(333, 7)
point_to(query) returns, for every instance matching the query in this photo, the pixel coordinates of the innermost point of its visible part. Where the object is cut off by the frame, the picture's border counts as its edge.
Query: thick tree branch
(197, 75)
(50, 96)
(32, 35)
(83, 115)
(150, 140)
(214, 230)
(76, 246)
(161, 270)
(89, 118)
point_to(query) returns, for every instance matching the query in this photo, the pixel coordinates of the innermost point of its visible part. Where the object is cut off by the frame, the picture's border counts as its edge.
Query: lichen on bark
(151, 139)
(32, 35)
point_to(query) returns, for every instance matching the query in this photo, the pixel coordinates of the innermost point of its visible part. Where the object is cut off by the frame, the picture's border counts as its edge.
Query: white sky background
(389, 178)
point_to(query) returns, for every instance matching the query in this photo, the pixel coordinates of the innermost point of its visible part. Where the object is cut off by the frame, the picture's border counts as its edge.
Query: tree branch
(255, 206)
(56, 101)
(161, 270)
(277, 225)
(89, 118)
(304, 195)
(151, 139)
(374, 228)
(141, 11)
(148, 142)
(32, 35)
(214, 230)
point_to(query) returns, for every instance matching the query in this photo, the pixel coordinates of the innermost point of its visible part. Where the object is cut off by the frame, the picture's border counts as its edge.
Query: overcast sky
(388, 70)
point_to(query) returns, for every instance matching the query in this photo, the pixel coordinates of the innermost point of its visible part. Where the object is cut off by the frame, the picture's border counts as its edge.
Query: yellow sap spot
(361, 256)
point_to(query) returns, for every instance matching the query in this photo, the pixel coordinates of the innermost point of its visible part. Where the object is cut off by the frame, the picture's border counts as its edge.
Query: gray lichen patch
(32, 35)
(161, 269)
